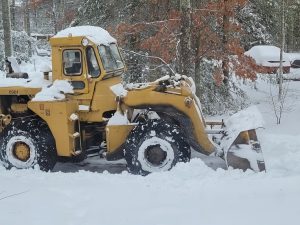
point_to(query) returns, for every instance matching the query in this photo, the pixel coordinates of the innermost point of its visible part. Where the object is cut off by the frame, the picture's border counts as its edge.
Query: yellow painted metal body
(57, 116)
(98, 98)
(116, 136)
(15, 90)
(149, 97)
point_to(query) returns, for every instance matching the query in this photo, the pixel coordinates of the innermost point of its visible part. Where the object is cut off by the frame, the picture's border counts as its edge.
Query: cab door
(74, 69)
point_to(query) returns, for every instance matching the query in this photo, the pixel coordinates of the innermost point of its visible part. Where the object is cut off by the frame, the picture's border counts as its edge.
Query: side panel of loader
(57, 115)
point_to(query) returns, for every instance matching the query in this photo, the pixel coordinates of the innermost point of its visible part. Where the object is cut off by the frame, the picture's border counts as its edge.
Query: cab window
(110, 57)
(72, 60)
(92, 63)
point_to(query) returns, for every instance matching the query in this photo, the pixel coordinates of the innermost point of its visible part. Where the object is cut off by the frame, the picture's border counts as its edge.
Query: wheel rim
(21, 152)
(156, 154)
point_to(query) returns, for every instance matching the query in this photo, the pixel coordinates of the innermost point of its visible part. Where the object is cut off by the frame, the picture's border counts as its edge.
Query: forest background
(204, 39)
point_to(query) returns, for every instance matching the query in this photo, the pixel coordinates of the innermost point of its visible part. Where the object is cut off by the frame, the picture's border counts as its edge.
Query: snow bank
(191, 194)
(265, 54)
(95, 34)
(294, 55)
(54, 92)
(246, 119)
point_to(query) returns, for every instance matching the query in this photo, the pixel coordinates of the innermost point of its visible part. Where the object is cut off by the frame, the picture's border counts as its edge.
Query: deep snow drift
(191, 193)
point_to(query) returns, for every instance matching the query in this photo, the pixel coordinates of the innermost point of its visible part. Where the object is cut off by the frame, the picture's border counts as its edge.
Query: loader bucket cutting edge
(245, 153)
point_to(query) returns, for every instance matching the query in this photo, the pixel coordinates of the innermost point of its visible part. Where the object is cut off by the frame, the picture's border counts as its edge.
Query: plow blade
(241, 147)
(245, 153)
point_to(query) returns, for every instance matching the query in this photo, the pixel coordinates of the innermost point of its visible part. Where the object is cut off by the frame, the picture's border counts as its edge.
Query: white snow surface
(83, 107)
(294, 55)
(54, 92)
(191, 193)
(34, 70)
(262, 54)
(96, 34)
(119, 90)
(118, 119)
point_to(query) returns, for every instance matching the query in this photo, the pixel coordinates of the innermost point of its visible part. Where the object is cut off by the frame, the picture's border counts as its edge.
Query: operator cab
(85, 54)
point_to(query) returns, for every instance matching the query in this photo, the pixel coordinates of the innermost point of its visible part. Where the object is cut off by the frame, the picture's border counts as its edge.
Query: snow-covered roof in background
(96, 34)
(262, 54)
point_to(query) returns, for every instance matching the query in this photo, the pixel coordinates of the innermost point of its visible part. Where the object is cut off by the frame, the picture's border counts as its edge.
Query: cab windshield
(110, 56)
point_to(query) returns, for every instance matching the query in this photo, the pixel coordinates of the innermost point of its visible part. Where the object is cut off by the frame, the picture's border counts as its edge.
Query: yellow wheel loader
(152, 125)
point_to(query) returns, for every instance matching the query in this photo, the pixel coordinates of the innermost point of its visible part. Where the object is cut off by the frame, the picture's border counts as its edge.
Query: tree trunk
(186, 61)
(54, 16)
(13, 14)
(6, 28)
(280, 88)
(62, 7)
(226, 22)
(27, 25)
(27, 18)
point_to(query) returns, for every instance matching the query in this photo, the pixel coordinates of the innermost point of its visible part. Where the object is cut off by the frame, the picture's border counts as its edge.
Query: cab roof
(96, 34)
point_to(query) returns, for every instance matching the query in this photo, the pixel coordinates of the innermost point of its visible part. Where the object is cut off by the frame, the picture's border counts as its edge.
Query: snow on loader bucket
(240, 144)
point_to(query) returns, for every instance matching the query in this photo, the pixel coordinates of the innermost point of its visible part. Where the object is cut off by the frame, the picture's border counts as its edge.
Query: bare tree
(7, 28)
(281, 105)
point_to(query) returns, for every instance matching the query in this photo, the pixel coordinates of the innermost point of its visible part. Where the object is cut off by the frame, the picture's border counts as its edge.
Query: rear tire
(155, 146)
(26, 143)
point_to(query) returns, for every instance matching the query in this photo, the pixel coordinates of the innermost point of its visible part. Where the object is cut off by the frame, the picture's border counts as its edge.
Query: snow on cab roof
(96, 34)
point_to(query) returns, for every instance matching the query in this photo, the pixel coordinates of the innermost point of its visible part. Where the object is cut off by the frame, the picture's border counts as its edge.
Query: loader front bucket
(245, 153)
(240, 144)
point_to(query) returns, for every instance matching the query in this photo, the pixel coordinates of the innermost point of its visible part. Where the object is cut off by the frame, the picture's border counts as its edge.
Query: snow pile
(267, 55)
(133, 86)
(118, 119)
(34, 70)
(293, 56)
(246, 119)
(191, 193)
(294, 74)
(36, 82)
(14, 64)
(54, 92)
(95, 34)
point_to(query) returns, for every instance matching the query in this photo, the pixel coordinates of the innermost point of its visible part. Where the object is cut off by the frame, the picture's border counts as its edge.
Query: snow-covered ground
(35, 69)
(191, 193)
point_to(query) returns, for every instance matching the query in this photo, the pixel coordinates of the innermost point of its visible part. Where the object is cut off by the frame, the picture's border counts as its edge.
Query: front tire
(155, 146)
(26, 143)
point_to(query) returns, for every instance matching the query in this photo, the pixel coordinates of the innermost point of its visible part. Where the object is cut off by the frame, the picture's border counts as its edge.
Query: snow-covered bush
(218, 99)
(21, 46)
